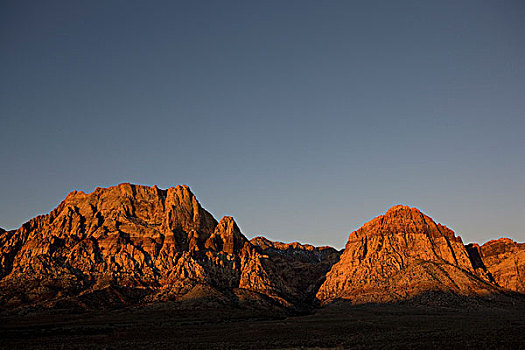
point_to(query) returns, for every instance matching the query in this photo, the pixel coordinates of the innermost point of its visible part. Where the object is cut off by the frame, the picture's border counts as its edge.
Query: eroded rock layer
(399, 255)
(302, 266)
(502, 261)
(131, 242)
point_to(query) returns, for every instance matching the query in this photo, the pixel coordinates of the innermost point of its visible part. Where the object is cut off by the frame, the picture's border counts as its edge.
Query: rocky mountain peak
(403, 213)
(400, 207)
(138, 244)
(264, 243)
(160, 244)
(227, 237)
(504, 262)
(402, 218)
(401, 243)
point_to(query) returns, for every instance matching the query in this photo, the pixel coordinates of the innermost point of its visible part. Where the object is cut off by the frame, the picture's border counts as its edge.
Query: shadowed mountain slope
(302, 266)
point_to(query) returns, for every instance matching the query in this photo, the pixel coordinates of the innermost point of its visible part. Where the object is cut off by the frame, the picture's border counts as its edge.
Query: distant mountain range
(132, 245)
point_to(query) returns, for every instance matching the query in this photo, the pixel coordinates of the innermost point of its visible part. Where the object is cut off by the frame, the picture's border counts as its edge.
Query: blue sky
(302, 119)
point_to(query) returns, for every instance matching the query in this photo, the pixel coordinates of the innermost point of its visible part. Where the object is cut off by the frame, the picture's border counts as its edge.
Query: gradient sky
(301, 119)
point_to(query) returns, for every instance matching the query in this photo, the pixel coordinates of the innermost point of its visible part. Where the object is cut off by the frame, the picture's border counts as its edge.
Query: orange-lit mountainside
(132, 244)
(404, 253)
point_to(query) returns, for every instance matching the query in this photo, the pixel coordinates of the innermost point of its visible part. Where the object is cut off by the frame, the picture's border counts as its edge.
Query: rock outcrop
(400, 255)
(302, 266)
(502, 261)
(130, 242)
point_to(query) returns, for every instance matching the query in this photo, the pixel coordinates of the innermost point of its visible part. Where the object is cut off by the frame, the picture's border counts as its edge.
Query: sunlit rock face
(150, 243)
(130, 244)
(399, 255)
(503, 262)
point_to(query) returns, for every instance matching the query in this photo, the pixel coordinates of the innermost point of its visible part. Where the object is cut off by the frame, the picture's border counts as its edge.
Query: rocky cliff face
(132, 244)
(502, 261)
(302, 267)
(150, 243)
(399, 255)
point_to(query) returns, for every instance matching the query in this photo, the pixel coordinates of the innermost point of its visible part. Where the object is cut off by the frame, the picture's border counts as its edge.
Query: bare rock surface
(399, 255)
(134, 245)
(302, 266)
(504, 261)
(130, 243)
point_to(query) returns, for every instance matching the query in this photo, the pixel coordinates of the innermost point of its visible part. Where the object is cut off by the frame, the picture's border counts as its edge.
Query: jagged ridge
(131, 244)
(159, 242)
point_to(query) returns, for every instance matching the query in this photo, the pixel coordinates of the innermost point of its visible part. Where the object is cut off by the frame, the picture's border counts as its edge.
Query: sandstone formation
(302, 266)
(399, 255)
(502, 261)
(131, 244)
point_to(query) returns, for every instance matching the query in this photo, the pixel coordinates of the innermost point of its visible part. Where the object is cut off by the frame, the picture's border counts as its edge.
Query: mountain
(302, 266)
(502, 261)
(400, 255)
(128, 244)
(134, 245)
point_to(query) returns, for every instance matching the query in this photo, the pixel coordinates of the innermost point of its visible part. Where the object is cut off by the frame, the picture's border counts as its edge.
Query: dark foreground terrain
(167, 326)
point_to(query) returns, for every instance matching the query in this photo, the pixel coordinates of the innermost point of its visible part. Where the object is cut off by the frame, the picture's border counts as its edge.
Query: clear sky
(301, 119)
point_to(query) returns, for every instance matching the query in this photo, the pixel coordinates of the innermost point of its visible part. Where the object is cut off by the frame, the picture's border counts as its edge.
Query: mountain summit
(399, 255)
(131, 244)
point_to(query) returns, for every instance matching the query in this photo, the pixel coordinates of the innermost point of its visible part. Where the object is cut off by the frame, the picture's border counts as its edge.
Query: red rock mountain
(302, 267)
(132, 244)
(502, 261)
(161, 243)
(399, 255)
